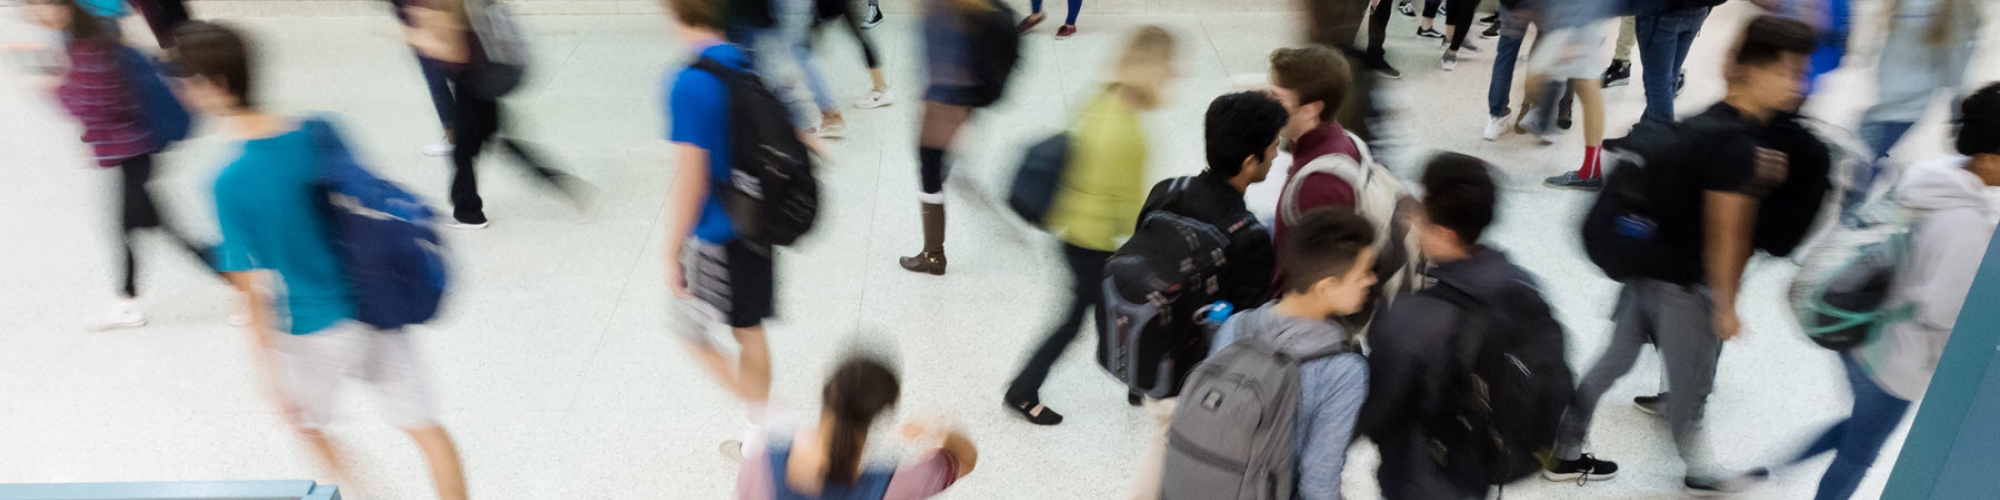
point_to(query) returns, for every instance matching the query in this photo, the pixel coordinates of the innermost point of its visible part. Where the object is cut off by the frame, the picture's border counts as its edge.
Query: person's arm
(1324, 190)
(953, 458)
(1324, 454)
(684, 208)
(1728, 222)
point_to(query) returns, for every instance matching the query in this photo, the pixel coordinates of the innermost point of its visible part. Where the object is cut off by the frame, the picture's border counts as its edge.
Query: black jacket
(1210, 199)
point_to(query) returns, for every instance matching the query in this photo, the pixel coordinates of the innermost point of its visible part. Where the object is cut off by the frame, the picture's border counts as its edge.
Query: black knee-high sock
(932, 169)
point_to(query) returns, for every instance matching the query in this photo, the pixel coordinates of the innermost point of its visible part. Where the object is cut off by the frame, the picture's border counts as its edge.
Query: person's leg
(1658, 40)
(1513, 28)
(1153, 455)
(1628, 34)
(477, 121)
(798, 26)
(437, 79)
(1034, 7)
(1459, 20)
(1075, 7)
(1689, 28)
(406, 392)
(138, 211)
(1876, 415)
(1086, 269)
(1378, 33)
(939, 128)
(1628, 335)
(1688, 347)
(447, 475)
(1590, 93)
(309, 369)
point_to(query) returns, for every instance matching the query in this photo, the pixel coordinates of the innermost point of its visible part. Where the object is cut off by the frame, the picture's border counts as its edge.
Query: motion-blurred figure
(270, 204)
(102, 87)
(970, 49)
(1928, 47)
(1571, 51)
(824, 458)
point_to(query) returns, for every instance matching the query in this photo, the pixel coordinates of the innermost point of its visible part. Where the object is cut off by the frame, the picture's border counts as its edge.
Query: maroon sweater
(1319, 190)
(99, 93)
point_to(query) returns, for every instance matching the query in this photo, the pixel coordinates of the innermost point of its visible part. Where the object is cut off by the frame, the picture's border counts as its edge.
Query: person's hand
(1727, 325)
(677, 280)
(1773, 167)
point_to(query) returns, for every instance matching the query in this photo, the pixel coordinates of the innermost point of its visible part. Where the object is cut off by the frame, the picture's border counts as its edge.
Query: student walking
(1311, 82)
(437, 79)
(718, 278)
(1571, 54)
(274, 222)
(1515, 17)
(1664, 31)
(1889, 373)
(1757, 184)
(823, 459)
(1458, 20)
(1098, 200)
(462, 33)
(1928, 47)
(1036, 16)
(828, 10)
(100, 90)
(1242, 137)
(1331, 256)
(968, 65)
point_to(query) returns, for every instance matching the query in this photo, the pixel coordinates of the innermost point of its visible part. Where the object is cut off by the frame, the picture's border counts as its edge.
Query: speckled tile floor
(554, 362)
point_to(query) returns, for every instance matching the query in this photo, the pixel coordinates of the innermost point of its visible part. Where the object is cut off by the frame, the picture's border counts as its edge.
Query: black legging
(1458, 15)
(137, 210)
(163, 16)
(476, 123)
(853, 26)
(1086, 267)
(1378, 32)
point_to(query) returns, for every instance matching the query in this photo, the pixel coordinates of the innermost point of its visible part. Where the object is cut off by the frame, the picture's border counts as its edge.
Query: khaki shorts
(312, 366)
(1571, 53)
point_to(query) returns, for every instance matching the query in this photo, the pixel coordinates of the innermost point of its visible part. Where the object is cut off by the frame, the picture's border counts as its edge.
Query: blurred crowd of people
(1354, 307)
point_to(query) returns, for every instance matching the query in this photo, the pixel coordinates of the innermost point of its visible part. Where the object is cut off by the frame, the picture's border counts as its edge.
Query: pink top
(100, 94)
(916, 481)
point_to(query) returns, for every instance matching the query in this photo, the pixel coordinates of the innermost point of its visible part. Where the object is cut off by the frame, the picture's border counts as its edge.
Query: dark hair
(697, 13)
(214, 51)
(1324, 243)
(1979, 122)
(1769, 38)
(83, 26)
(1316, 72)
(1238, 126)
(1459, 194)
(859, 390)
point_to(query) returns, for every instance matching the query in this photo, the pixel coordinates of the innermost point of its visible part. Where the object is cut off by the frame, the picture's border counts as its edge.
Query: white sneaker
(833, 130)
(1496, 127)
(123, 313)
(875, 99)
(443, 147)
(874, 17)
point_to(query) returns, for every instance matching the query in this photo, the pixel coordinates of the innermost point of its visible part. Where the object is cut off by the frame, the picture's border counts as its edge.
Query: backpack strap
(718, 69)
(1338, 165)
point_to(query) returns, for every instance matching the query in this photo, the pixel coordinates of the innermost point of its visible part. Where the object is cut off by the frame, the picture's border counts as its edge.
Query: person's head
(1979, 133)
(214, 61)
(1329, 257)
(695, 17)
(1311, 82)
(1242, 134)
(858, 392)
(1459, 196)
(1769, 68)
(69, 17)
(1147, 66)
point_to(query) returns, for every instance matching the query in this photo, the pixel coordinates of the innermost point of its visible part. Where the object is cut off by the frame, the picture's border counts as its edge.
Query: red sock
(1591, 168)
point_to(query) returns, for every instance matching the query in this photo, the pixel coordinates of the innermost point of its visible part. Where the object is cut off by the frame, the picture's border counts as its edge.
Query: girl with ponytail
(823, 460)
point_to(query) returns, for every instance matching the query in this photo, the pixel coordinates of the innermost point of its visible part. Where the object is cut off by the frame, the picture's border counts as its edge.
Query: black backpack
(1155, 289)
(1033, 191)
(772, 197)
(1622, 232)
(996, 50)
(1510, 381)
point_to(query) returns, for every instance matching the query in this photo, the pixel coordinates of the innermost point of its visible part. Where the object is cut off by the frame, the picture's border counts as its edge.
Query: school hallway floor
(554, 361)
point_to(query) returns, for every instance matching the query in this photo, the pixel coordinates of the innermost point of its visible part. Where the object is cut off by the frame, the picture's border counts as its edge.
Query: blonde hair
(1146, 64)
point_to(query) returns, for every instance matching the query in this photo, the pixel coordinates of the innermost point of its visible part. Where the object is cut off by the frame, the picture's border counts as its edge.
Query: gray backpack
(1231, 436)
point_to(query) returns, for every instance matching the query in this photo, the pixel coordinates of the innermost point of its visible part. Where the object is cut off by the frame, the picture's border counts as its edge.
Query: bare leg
(329, 455)
(446, 474)
(875, 75)
(941, 124)
(753, 365)
(1590, 93)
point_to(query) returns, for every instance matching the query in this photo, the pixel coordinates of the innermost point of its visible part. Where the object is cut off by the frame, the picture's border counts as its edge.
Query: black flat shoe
(1034, 412)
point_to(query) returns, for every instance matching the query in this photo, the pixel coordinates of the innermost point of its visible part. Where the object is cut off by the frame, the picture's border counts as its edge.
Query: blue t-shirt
(268, 203)
(698, 115)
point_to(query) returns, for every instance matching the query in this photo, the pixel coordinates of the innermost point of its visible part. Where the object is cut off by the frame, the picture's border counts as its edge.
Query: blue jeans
(1857, 440)
(1513, 28)
(1074, 7)
(437, 77)
(1880, 136)
(1663, 46)
(798, 19)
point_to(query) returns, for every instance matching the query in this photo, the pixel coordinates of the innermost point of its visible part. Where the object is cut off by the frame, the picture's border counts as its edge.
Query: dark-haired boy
(1331, 257)
(1408, 364)
(1757, 183)
(272, 223)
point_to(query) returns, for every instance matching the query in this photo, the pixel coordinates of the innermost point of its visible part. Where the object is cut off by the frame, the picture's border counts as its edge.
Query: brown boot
(931, 260)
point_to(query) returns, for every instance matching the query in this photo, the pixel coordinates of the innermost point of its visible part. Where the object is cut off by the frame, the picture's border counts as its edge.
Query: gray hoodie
(1946, 245)
(1331, 391)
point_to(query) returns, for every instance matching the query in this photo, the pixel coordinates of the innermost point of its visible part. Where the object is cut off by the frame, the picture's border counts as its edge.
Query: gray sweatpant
(1676, 319)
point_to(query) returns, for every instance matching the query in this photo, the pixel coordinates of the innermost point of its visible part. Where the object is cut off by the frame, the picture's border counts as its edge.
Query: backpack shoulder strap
(1338, 165)
(716, 68)
(1367, 156)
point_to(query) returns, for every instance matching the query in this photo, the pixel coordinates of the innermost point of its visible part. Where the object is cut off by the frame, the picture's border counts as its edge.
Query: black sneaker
(1429, 33)
(1386, 71)
(1406, 9)
(1490, 20)
(1491, 31)
(1619, 74)
(1652, 405)
(1584, 469)
(1717, 488)
(1570, 180)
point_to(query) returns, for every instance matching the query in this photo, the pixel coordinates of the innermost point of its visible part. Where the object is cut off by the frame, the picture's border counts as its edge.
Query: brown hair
(216, 52)
(1144, 64)
(1326, 242)
(83, 26)
(859, 390)
(1316, 72)
(697, 13)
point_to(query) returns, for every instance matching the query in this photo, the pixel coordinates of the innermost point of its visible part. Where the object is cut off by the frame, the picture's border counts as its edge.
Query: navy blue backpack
(167, 120)
(387, 237)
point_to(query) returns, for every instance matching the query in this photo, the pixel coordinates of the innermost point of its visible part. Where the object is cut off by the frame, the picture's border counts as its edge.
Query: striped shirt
(100, 94)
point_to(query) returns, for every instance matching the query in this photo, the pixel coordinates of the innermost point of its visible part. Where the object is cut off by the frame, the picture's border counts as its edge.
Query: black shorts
(734, 278)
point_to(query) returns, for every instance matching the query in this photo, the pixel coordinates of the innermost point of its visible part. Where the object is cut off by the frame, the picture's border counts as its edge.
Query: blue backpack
(386, 237)
(167, 120)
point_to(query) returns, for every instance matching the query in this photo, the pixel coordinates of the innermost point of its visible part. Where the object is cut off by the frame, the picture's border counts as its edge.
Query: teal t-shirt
(269, 205)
